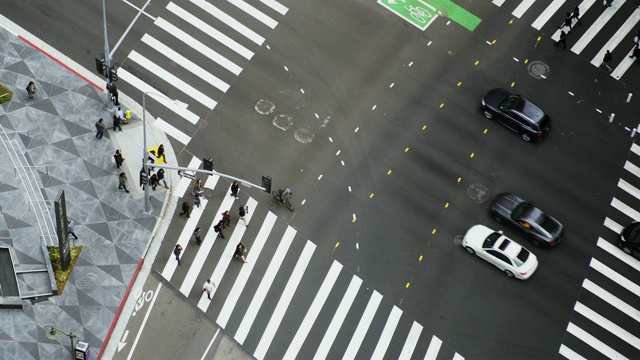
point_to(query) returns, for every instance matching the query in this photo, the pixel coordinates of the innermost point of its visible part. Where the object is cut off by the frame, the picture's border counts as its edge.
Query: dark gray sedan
(538, 227)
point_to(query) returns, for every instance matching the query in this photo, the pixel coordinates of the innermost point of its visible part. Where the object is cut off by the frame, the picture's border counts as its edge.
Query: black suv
(516, 113)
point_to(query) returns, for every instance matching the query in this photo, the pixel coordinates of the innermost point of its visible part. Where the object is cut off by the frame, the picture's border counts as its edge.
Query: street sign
(187, 175)
(416, 12)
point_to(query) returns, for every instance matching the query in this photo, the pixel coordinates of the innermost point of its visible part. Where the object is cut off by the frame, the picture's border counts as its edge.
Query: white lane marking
(457, 356)
(204, 249)
(211, 31)
(284, 301)
(635, 148)
(593, 342)
(613, 226)
(144, 322)
(198, 46)
(434, 349)
(570, 354)
(267, 280)
(632, 190)
(172, 80)
(595, 28)
(245, 271)
(227, 254)
(314, 310)
(184, 183)
(632, 168)
(611, 299)
(231, 22)
(185, 63)
(412, 340)
(584, 7)
(614, 276)
(522, 8)
(275, 6)
(626, 209)
(607, 325)
(338, 319)
(146, 88)
(614, 41)
(547, 13)
(387, 334)
(615, 251)
(171, 131)
(206, 351)
(259, 15)
(363, 326)
(498, 2)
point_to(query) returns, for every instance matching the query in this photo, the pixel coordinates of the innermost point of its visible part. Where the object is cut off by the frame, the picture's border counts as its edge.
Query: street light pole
(52, 334)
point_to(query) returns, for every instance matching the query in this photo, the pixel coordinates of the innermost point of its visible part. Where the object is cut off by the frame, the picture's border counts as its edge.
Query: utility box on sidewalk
(83, 351)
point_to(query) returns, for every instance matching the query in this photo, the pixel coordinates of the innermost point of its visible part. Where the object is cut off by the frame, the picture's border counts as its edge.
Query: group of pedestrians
(118, 118)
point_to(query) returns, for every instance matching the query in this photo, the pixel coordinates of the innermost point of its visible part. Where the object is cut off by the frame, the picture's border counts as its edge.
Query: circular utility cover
(539, 70)
(478, 193)
(283, 122)
(264, 107)
(304, 134)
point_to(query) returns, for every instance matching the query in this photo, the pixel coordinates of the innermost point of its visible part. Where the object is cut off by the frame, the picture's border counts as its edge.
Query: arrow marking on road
(123, 342)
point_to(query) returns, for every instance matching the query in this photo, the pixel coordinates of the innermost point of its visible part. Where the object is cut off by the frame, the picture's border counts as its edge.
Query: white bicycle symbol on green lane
(418, 13)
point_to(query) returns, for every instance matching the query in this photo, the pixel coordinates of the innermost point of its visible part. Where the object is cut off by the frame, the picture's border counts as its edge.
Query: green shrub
(5, 94)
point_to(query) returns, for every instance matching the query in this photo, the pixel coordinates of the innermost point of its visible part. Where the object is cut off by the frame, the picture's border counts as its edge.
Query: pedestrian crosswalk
(606, 317)
(602, 29)
(193, 52)
(290, 300)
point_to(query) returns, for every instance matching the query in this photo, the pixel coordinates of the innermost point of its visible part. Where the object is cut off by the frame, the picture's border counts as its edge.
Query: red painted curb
(61, 63)
(124, 299)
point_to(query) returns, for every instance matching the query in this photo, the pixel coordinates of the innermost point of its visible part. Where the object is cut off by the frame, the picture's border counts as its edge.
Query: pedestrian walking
(240, 251)
(196, 201)
(161, 178)
(576, 14)
(636, 39)
(242, 211)
(116, 122)
(113, 90)
(567, 21)
(635, 53)
(119, 158)
(226, 219)
(161, 153)
(607, 3)
(186, 209)
(177, 251)
(123, 182)
(70, 225)
(563, 39)
(234, 189)
(31, 89)
(100, 128)
(196, 234)
(208, 288)
(197, 189)
(218, 229)
(605, 61)
(153, 181)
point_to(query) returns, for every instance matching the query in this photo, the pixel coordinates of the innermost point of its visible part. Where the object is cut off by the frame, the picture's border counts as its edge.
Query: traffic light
(101, 67)
(113, 74)
(144, 177)
(266, 184)
(208, 164)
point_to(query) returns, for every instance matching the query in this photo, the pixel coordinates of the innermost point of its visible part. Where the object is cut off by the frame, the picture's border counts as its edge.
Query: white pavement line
(144, 321)
(172, 80)
(584, 7)
(146, 88)
(623, 66)
(211, 31)
(632, 168)
(185, 63)
(615, 251)
(276, 6)
(387, 333)
(412, 340)
(314, 310)
(632, 190)
(231, 22)
(635, 149)
(457, 356)
(626, 209)
(547, 14)
(522, 8)
(284, 301)
(498, 2)
(614, 41)
(227, 255)
(180, 189)
(267, 280)
(172, 131)
(607, 325)
(433, 349)
(595, 28)
(198, 46)
(204, 249)
(614, 276)
(613, 226)
(245, 271)
(611, 299)
(259, 15)
(593, 342)
(570, 354)
(338, 319)
(363, 326)
(206, 351)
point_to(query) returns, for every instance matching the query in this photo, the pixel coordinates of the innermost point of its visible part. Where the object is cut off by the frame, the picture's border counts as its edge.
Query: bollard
(611, 117)
(629, 98)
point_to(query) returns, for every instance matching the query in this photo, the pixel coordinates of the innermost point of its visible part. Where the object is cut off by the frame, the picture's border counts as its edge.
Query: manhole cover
(458, 240)
(478, 193)
(283, 122)
(264, 107)
(304, 134)
(538, 69)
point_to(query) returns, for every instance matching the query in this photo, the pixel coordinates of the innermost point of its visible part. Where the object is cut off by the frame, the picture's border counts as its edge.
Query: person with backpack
(218, 229)
(196, 235)
(186, 209)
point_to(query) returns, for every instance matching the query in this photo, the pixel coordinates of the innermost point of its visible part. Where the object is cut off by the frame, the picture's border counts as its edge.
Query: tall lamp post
(52, 333)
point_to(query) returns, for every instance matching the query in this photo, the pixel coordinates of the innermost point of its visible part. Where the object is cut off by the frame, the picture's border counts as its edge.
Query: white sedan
(506, 254)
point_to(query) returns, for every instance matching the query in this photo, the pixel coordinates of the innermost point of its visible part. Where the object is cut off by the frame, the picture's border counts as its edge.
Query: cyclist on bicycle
(285, 195)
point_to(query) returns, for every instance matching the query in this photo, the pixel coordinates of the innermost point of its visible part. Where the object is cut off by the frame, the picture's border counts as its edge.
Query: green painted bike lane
(422, 12)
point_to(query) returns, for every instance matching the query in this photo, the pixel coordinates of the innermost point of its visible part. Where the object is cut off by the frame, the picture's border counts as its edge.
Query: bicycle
(276, 195)
(418, 13)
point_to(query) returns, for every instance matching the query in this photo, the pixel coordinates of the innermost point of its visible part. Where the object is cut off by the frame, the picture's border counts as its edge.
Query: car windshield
(520, 210)
(512, 102)
(490, 240)
(522, 257)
